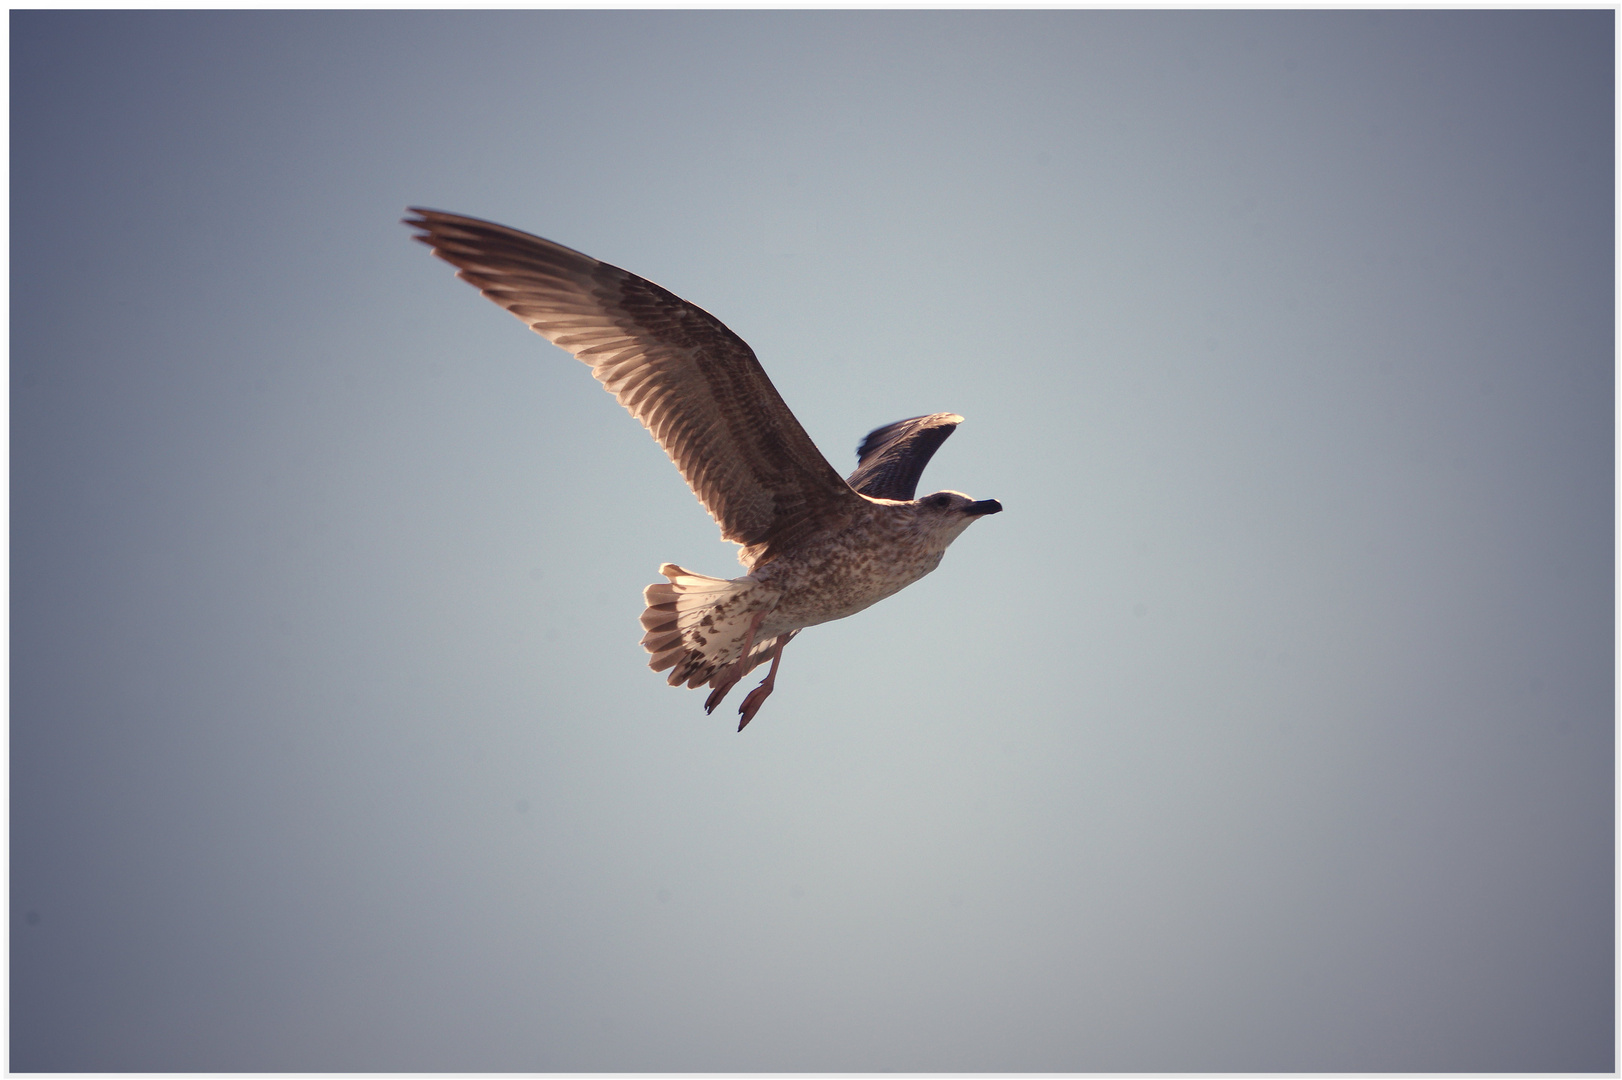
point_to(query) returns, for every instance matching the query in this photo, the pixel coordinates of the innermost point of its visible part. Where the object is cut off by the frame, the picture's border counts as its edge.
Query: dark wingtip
(880, 435)
(422, 222)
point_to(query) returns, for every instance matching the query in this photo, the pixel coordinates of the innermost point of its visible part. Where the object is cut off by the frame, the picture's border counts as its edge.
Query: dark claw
(715, 697)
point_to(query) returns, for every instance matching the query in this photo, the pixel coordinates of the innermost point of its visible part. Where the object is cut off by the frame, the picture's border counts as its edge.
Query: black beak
(984, 506)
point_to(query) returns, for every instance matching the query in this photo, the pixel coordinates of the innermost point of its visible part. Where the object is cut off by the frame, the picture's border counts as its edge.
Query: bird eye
(940, 501)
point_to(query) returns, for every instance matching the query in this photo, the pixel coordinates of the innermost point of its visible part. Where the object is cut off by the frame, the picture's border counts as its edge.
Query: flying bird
(816, 547)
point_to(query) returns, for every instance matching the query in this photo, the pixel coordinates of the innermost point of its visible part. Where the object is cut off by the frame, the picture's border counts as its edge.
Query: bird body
(815, 547)
(886, 547)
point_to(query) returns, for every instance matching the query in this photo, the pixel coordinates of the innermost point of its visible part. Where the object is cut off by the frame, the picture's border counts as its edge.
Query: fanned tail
(696, 625)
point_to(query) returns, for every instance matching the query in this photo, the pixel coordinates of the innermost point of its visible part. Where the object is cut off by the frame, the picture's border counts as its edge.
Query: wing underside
(892, 458)
(693, 383)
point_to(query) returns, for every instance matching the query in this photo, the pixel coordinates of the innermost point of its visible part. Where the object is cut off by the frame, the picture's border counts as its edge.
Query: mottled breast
(880, 554)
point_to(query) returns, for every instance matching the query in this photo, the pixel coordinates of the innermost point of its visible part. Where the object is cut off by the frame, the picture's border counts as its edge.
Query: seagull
(816, 547)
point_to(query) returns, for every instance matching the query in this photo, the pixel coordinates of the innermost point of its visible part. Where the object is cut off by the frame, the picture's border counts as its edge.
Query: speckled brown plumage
(815, 546)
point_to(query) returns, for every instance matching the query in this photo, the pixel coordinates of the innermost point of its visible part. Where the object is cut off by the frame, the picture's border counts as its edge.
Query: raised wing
(693, 383)
(892, 458)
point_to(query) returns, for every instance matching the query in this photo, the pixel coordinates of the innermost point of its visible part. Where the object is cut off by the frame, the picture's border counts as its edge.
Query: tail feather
(696, 625)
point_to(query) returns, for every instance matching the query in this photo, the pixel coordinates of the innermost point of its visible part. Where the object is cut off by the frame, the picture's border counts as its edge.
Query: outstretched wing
(892, 458)
(693, 383)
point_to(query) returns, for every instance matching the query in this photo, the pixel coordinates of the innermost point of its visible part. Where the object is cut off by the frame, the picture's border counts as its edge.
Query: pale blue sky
(1269, 728)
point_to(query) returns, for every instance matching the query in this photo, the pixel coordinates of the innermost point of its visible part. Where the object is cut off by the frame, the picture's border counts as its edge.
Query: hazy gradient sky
(1269, 728)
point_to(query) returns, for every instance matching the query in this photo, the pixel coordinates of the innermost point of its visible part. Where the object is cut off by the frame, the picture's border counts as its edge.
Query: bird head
(945, 514)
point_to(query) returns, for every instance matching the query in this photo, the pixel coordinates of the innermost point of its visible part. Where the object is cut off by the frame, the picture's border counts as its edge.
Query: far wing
(892, 458)
(693, 383)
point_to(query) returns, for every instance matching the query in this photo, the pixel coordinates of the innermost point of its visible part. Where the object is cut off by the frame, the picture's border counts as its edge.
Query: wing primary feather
(693, 383)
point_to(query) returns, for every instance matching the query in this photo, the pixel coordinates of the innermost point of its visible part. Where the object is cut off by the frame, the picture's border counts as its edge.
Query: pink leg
(735, 671)
(757, 697)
